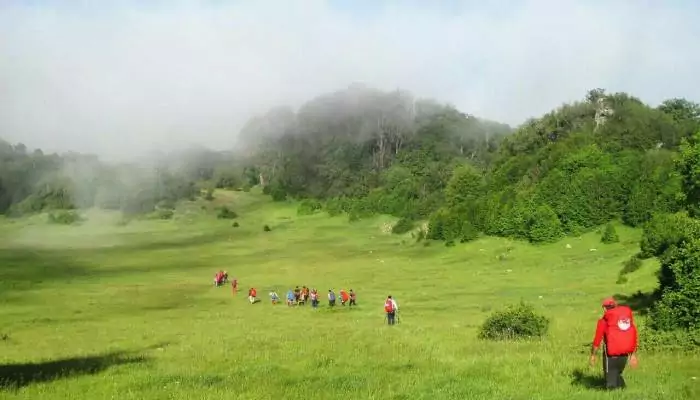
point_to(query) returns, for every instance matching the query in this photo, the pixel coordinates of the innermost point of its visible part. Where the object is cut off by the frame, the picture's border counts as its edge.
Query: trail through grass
(129, 311)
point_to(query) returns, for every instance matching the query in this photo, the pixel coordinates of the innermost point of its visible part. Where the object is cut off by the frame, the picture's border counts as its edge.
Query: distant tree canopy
(387, 149)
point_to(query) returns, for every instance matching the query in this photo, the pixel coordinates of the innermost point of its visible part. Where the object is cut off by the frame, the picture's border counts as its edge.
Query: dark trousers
(314, 303)
(352, 302)
(390, 317)
(612, 369)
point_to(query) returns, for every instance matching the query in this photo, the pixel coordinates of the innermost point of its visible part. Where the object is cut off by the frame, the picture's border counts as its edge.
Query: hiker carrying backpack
(617, 329)
(390, 308)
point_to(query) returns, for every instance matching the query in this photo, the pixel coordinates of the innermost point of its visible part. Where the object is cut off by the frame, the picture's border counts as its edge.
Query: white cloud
(128, 77)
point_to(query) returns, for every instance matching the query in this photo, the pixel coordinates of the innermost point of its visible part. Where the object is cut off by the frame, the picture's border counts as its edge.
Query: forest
(447, 175)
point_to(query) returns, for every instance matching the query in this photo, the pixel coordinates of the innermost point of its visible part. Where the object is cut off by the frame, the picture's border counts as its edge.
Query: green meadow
(113, 310)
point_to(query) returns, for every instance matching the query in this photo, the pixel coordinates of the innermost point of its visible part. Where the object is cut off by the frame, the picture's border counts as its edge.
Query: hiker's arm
(599, 332)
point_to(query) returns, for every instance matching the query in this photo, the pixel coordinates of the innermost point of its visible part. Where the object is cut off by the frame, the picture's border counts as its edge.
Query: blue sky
(106, 76)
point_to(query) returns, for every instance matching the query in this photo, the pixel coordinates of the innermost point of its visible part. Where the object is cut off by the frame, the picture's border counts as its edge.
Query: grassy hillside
(131, 312)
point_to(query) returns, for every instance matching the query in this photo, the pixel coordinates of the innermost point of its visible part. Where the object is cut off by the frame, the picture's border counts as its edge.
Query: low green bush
(515, 322)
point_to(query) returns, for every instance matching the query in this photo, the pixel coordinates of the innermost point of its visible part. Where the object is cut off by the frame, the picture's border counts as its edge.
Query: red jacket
(617, 328)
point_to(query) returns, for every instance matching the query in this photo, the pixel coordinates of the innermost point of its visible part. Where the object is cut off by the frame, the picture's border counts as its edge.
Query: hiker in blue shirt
(290, 298)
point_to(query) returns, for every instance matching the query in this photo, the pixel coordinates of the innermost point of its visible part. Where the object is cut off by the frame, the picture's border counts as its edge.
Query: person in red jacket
(616, 328)
(252, 294)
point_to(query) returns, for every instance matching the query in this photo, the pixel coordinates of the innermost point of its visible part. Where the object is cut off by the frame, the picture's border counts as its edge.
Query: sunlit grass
(143, 292)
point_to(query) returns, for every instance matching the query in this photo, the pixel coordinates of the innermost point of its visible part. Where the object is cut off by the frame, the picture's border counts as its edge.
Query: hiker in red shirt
(344, 297)
(616, 328)
(252, 293)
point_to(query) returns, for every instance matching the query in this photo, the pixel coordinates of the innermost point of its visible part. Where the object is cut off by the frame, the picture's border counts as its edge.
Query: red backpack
(388, 306)
(621, 333)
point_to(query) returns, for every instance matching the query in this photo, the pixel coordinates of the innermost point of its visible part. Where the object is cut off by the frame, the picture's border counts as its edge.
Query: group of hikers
(301, 296)
(616, 329)
(220, 278)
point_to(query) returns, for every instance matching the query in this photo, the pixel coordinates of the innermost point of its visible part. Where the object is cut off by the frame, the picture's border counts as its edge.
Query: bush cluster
(402, 226)
(308, 207)
(515, 322)
(65, 217)
(226, 213)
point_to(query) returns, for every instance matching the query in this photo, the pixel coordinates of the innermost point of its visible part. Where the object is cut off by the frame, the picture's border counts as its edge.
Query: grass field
(130, 312)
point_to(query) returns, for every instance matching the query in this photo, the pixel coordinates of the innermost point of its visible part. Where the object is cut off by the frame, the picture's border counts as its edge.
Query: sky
(118, 78)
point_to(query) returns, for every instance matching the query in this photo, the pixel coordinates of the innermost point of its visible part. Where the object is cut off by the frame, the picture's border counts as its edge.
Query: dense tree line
(363, 151)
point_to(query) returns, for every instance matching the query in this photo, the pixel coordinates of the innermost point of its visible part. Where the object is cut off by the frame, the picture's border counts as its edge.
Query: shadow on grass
(15, 376)
(639, 301)
(581, 378)
(176, 243)
(22, 268)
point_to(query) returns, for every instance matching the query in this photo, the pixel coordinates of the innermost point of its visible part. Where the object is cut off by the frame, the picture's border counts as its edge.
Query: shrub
(226, 213)
(515, 322)
(664, 341)
(65, 217)
(468, 232)
(544, 226)
(678, 306)
(266, 228)
(450, 226)
(631, 265)
(164, 214)
(308, 207)
(609, 235)
(335, 206)
(235, 224)
(664, 231)
(276, 192)
(209, 195)
(402, 226)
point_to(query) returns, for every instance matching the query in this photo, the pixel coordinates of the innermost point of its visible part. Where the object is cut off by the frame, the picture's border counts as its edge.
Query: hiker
(314, 298)
(218, 278)
(353, 297)
(617, 330)
(331, 298)
(297, 294)
(344, 297)
(304, 295)
(225, 277)
(252, 294)
(290, 298)
(274, 297)
(390, 308)
(234, 285)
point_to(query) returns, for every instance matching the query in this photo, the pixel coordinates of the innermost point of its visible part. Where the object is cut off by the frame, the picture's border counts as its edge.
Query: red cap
(609, 302)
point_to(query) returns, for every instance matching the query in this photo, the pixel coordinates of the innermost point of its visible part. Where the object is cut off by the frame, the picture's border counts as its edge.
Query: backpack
(621, 333)
(388, 306)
